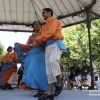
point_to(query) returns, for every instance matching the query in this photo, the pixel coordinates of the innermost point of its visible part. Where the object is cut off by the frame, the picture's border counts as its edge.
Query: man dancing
(51, 35)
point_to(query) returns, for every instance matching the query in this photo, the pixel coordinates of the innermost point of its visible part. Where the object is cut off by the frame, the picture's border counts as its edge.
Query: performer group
(40, 58)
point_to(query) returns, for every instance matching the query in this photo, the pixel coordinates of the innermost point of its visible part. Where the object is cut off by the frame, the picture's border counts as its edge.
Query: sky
(9, 38)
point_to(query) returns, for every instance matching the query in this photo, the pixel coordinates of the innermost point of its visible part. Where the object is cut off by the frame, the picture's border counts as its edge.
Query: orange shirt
(15, 57)
(7, 58)
(51, 30)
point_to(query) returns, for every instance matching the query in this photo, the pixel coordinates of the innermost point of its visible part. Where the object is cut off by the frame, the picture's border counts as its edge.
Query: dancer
(28, 46)
(8, 72)
(51, 35)
(34, 74)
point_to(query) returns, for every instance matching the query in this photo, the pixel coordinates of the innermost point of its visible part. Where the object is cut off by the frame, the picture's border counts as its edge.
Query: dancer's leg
(52, 58)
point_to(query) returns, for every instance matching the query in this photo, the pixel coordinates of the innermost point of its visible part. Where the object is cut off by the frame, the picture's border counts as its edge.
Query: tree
(76, 39)
(65, 60)
(1, 51)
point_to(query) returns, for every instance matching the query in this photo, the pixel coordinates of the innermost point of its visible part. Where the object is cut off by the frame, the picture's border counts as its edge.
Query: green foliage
(1, 51)
(76, 40)
(64, 62)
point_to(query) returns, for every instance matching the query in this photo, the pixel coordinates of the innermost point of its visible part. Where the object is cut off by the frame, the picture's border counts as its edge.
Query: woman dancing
(8, 71)
(34, 75)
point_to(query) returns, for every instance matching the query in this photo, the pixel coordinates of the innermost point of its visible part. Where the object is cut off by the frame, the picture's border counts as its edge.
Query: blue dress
(34, 74)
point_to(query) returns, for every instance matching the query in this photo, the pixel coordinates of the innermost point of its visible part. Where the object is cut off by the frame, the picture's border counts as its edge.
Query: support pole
(89, 39)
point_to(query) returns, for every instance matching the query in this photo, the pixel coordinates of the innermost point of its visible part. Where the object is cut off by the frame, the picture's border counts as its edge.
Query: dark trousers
(19, 79)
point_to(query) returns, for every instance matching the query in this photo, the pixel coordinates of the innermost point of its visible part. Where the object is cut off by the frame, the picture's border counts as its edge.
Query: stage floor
(18, 94)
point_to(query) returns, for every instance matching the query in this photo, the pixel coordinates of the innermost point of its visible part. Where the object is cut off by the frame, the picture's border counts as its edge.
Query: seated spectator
(74, 73)
(85, 73)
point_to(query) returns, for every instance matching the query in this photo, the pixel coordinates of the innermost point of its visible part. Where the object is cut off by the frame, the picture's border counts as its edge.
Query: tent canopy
(18, 15)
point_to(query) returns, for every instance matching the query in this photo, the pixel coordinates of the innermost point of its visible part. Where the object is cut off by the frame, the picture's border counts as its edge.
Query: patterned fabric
(52, 58)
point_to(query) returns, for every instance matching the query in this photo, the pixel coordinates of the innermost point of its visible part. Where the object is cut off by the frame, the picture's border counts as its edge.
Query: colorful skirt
(34, 75)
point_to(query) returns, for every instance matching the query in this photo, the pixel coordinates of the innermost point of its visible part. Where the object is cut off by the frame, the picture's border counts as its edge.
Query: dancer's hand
(34, 44)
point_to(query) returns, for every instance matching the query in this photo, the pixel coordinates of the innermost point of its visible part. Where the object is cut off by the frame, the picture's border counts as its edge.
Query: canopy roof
(18, 15)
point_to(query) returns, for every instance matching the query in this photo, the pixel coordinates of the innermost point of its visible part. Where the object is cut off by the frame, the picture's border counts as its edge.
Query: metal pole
(89, 39)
